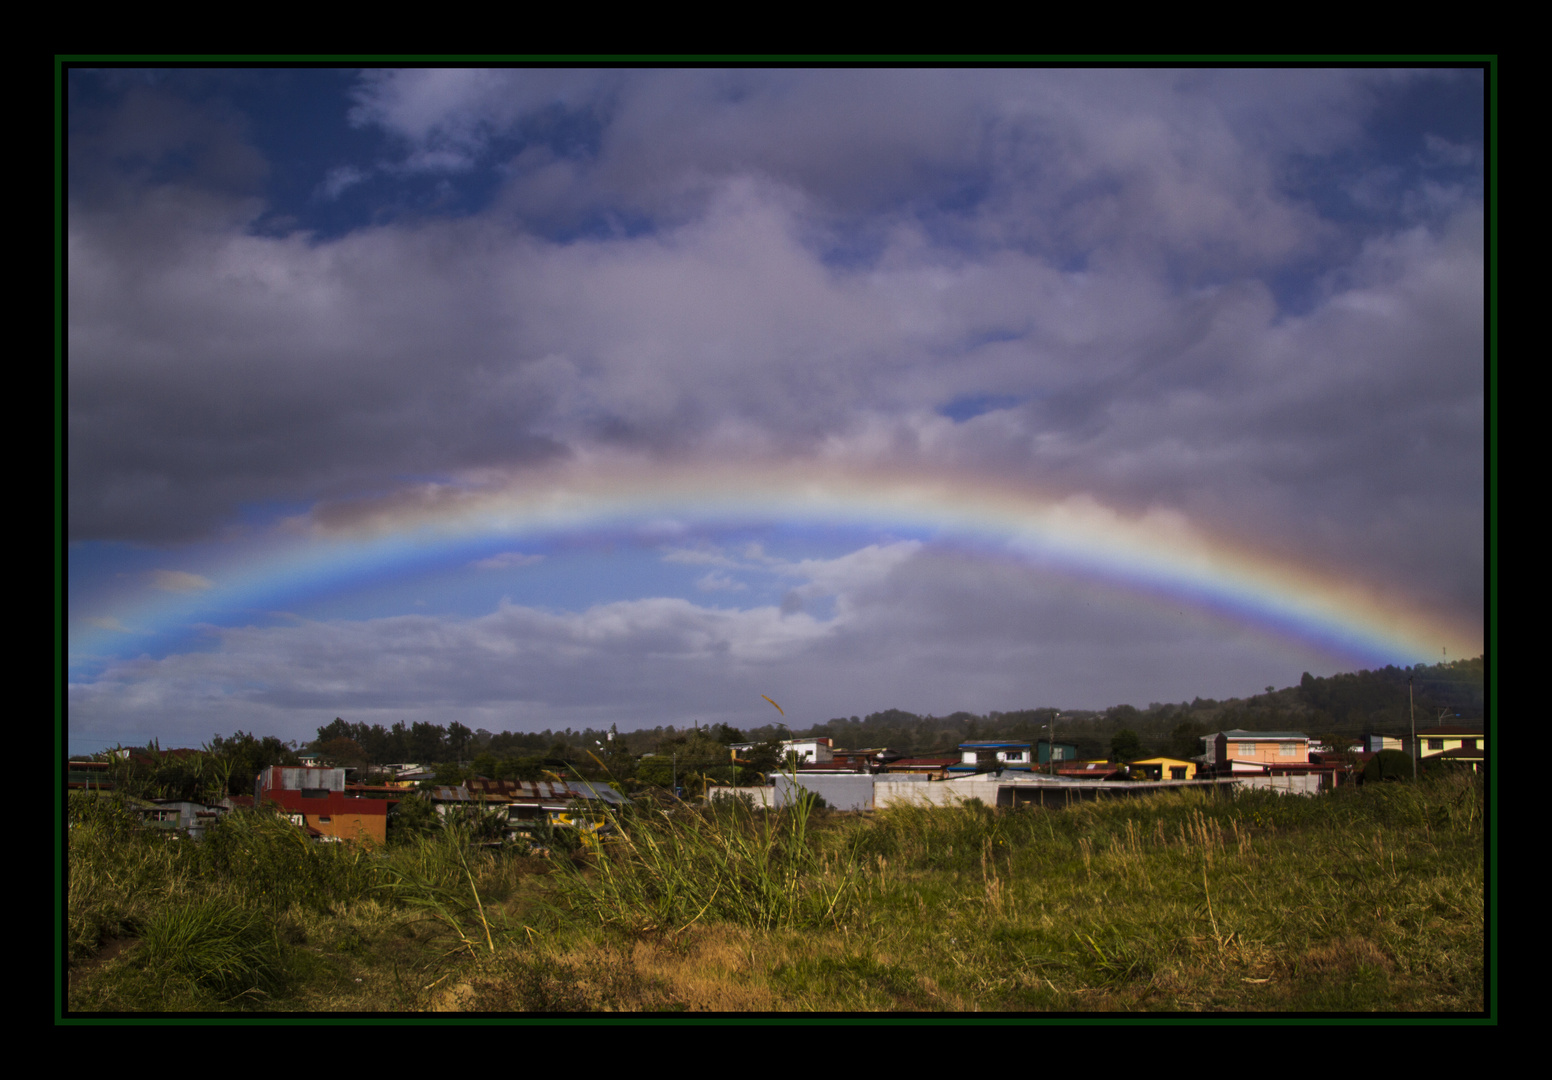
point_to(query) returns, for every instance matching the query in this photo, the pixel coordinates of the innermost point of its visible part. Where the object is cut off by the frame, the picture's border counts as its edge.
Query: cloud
(707, 555)
(719, 582)
(936, 631)
(446, 117)
(180, 581)
(507, 560)
(341, 179)
(1253, 299)
(105, 622)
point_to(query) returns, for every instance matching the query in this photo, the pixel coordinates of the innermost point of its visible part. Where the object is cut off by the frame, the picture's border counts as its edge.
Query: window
(1468, 744)
(1436, 744)
(1177, 772)
(1287, 749)
(315, 793)
(1058, 753)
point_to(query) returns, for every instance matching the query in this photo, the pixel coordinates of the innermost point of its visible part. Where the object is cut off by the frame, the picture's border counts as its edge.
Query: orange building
(316, 800)
(1252, 750)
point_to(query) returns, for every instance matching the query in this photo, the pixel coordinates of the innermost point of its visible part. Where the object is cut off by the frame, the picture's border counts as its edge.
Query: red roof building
(316, 800)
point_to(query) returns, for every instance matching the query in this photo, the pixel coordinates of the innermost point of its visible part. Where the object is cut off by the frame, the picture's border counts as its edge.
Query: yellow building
(1165, 768)
(1466, 745)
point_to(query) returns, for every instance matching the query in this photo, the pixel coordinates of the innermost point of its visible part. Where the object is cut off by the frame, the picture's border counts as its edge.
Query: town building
(315, 800)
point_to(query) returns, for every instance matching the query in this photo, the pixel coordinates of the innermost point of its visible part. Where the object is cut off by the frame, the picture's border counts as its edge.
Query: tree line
(1335, 709)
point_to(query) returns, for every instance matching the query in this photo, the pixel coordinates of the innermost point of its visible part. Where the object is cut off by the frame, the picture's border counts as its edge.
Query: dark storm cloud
(800, 263)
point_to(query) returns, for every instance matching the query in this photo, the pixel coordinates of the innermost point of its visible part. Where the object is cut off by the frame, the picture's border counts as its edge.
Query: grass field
(1367, 900)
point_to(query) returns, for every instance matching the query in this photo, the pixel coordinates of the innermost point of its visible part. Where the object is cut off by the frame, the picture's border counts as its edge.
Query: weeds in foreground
(665, 872)
(1369, 900)
(428, 882)
(213, 944)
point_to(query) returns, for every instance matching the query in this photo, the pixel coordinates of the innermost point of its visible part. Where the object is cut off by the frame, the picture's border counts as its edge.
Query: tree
(339, 729)
(656, 769)
(412, 817)
(427, 742)
(247, 755)
(341, 753)
(1125, 745)
(1186, 740)
(1388, 765)
(726, 734)
(763, 758)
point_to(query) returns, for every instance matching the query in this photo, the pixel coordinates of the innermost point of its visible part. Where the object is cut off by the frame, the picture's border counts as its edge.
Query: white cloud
(340, 179)
(930, 632)
(107, 622)
(719, 582)
(179, 581)
(507, 560)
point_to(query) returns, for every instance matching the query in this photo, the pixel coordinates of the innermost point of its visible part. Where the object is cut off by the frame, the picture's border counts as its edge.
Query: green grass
(212, 945)
(1367, 900)
(727, 863)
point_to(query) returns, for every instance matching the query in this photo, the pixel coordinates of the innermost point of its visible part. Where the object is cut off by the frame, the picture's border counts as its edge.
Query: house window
(325, 820)
(1288, 749)
(1468, 744)
(1058, 753)
(315, 793)
(1177, 772)
(1436, 744)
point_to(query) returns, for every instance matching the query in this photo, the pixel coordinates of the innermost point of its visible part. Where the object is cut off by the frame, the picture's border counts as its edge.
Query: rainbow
(1154, 554)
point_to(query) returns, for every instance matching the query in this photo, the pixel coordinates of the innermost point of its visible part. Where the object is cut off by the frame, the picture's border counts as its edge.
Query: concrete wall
(840, 791)
(861, 791)
(919, 791)
(1291, 784)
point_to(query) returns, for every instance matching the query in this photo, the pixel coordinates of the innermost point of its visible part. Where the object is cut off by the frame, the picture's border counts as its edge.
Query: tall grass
(276, 865)
(434, 876)
(662, 871)
(117, 872)
(213, 945)
(1363, 899)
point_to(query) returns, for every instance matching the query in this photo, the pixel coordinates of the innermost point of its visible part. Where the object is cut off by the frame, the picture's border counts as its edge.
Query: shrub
(1388, 765)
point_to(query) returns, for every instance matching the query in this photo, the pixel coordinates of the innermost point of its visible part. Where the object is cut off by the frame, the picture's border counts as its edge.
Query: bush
(1388, 765)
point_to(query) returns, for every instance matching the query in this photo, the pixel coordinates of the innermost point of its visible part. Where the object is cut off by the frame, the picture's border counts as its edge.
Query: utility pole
(1411, 708)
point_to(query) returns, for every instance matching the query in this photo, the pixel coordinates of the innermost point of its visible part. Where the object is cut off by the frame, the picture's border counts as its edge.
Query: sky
(542, 398)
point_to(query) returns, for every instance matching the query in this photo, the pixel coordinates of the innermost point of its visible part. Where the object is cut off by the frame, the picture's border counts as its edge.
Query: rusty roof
(507, 791)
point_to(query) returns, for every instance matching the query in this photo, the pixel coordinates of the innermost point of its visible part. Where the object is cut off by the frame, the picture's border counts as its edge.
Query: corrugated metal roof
(295, 778)
(528, 791)
(1241, 735)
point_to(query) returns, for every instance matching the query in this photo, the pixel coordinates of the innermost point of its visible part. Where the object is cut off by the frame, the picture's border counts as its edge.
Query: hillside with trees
(1334, 709)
